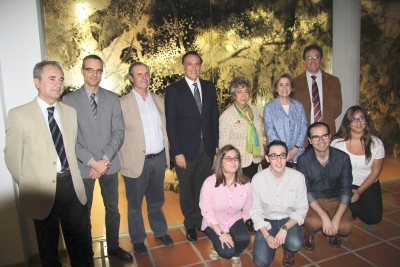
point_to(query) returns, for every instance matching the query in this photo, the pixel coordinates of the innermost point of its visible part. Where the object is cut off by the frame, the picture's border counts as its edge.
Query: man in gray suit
(100, 135)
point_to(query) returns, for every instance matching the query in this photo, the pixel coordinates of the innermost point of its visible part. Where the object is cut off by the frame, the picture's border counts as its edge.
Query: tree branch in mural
(380, 69)
(257, 39)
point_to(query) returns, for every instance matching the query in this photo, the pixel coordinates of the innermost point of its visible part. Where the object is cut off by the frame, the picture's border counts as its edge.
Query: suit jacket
(133, 150)
(290, 129)
(233, 130)
(332, 98)
(30, 156)
(185, 123)
(101, 136)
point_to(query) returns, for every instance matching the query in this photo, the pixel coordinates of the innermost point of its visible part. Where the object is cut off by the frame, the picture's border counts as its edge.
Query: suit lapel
(186, 93)
(100, 105)
(85, 103)
(64, 119)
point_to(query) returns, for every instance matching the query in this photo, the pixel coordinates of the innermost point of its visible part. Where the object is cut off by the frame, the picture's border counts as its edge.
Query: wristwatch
(221, 233)
(297, 146)
(284, 227)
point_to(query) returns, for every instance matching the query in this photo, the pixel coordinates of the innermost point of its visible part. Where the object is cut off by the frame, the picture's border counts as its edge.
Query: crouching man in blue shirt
(328, 177)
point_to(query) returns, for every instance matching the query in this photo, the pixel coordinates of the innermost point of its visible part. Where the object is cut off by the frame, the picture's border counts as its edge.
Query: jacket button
(54, 163)
(53, 181)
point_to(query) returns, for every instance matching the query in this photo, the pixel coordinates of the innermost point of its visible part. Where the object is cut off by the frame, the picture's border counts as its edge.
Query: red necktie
(315, 100)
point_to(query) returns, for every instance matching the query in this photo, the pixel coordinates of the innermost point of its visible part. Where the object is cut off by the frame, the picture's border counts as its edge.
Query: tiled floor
(364, 249)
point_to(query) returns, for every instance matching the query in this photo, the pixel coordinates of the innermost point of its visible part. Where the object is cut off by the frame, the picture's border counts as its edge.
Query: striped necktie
(93, 104)
(315, 100)
(57, 139)
(197, 96)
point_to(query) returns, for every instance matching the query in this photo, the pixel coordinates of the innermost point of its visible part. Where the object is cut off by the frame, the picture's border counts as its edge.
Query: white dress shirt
(152, 127)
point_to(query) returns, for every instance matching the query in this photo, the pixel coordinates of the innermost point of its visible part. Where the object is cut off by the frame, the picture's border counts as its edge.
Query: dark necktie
(93, 104)
(315, 100)
(57, 139)
(197, 96)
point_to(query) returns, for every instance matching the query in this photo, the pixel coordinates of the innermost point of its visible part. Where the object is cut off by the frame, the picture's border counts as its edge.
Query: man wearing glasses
(101, 133)
(319, 92)
(328, 175)
(279, 208)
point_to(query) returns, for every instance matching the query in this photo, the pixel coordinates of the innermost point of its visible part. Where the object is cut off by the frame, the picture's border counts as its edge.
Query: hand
(101, 166)
(227, 239)
(180, 161)
(292, 153)
(94, 175)
(271, 242)
(336, 223)
(355, 196)
(280, 238)
(328, 227)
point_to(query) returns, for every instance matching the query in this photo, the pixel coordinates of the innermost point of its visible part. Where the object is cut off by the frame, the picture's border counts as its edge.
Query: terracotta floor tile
(386, 230)
(322, 249)
(386, 191)
(395, 187)
(177, 255)
(396, 242)
(203, 246)
(348, 260)
(382, 255)
(394, 217)
(126, 244)
(387, 208)
(392, 199)
(360, 238)
(142, 260)
(176, 235)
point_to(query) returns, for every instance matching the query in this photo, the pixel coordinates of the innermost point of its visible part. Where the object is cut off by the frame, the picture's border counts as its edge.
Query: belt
(150, 156)
(63, 174)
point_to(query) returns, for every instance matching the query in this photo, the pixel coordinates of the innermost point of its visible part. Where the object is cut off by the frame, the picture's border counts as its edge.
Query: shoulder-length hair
(219, 172)
(278, 78)
(344, 131)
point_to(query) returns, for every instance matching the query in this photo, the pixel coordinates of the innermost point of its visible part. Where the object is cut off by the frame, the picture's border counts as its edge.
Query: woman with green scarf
(240, 126)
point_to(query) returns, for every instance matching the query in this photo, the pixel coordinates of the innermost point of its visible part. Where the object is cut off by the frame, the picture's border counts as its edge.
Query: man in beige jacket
(40, 155)
(144, 155)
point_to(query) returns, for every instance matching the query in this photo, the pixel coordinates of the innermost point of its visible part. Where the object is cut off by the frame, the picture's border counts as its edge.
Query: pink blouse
(219, 206)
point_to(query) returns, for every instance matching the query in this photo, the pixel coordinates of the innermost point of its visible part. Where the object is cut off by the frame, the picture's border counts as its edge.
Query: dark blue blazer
(185, 123)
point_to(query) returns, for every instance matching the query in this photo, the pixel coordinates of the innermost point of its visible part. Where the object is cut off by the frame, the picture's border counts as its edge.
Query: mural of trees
(257, 39)
(380, 67)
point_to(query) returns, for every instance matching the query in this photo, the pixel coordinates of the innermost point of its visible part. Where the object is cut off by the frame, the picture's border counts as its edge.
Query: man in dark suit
(101, 134)
(191, 111)
(40, 154)
(327, 86)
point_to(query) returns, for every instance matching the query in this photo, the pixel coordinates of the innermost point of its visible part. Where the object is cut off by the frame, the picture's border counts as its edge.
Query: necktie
(315, 100)
(93, 104)
(57, 139)
(197, 96)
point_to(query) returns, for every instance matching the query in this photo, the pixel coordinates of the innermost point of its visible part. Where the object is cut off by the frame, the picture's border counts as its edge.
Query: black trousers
(250, 170)
(191, 180)
(369, 206)
(74, 219)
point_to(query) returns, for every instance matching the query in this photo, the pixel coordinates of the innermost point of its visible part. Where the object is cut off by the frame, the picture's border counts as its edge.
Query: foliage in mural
(380, 67)
(257, 39)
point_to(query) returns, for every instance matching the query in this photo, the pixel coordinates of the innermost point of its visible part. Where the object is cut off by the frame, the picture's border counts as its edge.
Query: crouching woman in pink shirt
(225, 202)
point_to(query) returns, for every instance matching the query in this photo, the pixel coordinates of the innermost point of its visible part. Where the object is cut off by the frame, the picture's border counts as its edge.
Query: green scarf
(252, 142)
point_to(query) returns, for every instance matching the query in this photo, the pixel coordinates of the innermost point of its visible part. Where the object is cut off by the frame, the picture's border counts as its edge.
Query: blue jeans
(263, 254)
(240, 236)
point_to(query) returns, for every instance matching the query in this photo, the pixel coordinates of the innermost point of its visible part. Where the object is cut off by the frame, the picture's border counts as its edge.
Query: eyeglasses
(360, 119)
(314, 57)
(275, 156)
(317, 137)
(90, 70)
(229, 159)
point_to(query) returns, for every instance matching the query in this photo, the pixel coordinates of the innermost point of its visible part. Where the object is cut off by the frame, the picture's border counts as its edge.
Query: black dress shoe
(191, 234)
(120, 253)
(166, 240)
(250, 225)
(140, 248)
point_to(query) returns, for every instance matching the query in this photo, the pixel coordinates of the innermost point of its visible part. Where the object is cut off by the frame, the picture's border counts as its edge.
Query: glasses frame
(313, 57)
(360, 119)
(324, 137)
(229, 159)
(275, 156)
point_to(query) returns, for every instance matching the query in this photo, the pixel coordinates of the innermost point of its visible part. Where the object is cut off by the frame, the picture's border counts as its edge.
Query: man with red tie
(319, 92)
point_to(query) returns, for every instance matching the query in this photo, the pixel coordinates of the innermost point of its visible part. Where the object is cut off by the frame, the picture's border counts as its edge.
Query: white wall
(20, 50)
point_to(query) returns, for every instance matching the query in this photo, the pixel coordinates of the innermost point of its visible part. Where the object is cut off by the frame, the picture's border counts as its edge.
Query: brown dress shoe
(288, 259)
(309, 244)
(335, 242)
